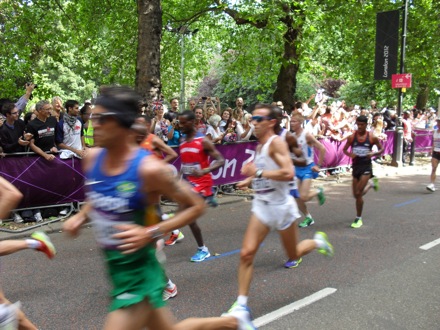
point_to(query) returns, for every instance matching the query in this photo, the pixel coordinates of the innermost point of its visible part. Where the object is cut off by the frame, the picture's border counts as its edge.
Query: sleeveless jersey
(293, 184)
(115, 199)
(361, 150)
(307, 150)
(267, 190)
(147, 144)
(193, 157)
(436, 141)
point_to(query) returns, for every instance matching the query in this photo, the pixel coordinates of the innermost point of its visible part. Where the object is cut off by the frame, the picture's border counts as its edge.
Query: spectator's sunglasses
(259, 119)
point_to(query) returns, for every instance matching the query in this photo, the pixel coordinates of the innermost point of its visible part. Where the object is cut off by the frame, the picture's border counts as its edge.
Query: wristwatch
(259, 173)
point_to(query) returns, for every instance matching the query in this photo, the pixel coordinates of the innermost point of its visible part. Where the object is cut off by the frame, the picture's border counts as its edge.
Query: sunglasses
(259, 119)
(101, 118)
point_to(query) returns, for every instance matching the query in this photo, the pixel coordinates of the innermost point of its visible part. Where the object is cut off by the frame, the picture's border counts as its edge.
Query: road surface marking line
(430, 245)
(283, 311)
(408, 202)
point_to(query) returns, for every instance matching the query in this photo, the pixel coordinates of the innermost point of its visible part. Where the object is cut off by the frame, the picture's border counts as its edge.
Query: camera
(35, 86)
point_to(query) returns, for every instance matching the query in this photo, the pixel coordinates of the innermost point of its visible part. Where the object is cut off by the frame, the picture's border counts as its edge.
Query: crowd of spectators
(65, 128)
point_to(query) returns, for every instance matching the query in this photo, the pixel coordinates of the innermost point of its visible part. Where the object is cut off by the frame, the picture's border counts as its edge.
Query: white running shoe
(430, 187)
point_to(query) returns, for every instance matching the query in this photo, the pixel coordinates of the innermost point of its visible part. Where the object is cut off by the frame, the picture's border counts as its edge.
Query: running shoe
(212, 201)
(375, 183)
(16, 217)
(243, 315)
(308, 221)
(169, 292)
(357, 223)
(9, 316)
(200, 255)
(430, 187)
(326, 248)
(321, 196)
(292, 263)
(46, 245)
(174, 238)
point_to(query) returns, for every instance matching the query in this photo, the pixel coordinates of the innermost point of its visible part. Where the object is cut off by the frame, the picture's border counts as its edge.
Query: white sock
(33, 243)
(319, 243)
(308, 215)
(203, 248)
(170, 284)
(176, 231)
(242, 300)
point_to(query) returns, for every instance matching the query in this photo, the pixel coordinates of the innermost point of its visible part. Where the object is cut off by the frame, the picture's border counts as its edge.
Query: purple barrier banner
(44, 183)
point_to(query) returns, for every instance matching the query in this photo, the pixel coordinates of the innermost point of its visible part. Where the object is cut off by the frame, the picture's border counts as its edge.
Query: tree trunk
(422, 96)
(286, 81)
(148, 83)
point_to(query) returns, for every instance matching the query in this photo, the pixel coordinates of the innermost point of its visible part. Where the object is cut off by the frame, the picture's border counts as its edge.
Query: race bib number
(262, 185)
(188, 169)
(105, 229)
(361, 151)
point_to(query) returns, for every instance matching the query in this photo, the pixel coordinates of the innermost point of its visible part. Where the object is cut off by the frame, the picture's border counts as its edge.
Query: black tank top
(361, 149)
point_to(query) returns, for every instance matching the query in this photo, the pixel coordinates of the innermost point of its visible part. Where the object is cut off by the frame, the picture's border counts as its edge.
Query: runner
(122, 180)
(195, 151)
(11, 317)
(308, 171)
(435, 155)
(361, 143)
(273, 208)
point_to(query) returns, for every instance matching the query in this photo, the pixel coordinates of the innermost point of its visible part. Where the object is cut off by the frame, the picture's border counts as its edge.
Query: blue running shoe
(200, 255)
(243, 315)
(292, 263)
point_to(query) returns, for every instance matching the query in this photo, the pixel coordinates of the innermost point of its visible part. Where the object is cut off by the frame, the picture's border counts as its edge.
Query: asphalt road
(378, 279)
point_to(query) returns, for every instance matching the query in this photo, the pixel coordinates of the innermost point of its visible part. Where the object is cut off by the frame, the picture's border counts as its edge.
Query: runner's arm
(348, 145)
(314, 143)
(167, 150)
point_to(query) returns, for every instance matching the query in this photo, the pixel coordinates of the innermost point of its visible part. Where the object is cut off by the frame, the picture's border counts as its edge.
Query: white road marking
(430, 245)
(283, 311)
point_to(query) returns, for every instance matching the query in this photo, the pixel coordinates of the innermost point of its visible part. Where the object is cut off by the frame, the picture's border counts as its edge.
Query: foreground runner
(272, 208)
(308, 171)
(361, 143)
(435, 156)
(122, 181)
(195, 151)
(11, 317)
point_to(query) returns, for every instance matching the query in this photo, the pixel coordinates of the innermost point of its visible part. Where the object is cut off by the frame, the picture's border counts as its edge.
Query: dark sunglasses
(259, 119)
(101, 118)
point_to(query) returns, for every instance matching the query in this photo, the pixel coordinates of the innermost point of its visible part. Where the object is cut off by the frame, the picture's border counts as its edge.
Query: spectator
(43, 130)
(70, 134)
(159, 125)
(174, 109)
(419, 120)
(28, 117)
(315, 126)
(22, 101)
(174, 133)
(248, 128)
(192, 104)
(57, 108)
(239, 104)
(389, 120)
(226, 117)
(85, 112)
(407, 134)
(214, 104)
(213, 132)
(12, 134)
(230, 133)
(200, 123)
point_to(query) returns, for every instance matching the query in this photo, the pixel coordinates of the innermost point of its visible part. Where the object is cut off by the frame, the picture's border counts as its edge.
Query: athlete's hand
(73, 225)
(242, 185)
(249, 169)
(198, 173)
(133, 237)
(316, 168)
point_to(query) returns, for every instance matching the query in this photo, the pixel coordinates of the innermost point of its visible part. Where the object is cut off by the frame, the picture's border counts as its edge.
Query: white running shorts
(276, 216)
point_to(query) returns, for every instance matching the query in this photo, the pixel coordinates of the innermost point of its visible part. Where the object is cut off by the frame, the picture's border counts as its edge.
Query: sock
(242, 300)
(358, 218)
(170, 284)
(320, 244)
(176, 231)
(203, 248)
(33, 243)
(308, 215)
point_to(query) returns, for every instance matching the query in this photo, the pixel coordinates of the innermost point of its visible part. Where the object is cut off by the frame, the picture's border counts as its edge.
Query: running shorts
(202, 190)
(359, 170)
(305, 172)
(276, 216)
(135, 277)
(436, 155)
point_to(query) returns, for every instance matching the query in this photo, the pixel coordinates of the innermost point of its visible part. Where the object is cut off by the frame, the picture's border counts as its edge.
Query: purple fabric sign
(44, 183)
